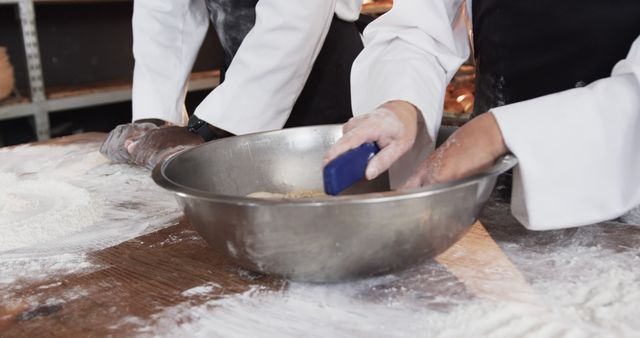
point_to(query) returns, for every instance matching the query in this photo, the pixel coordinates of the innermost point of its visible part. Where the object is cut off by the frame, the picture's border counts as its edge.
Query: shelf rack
(72, 98)
(41, 103)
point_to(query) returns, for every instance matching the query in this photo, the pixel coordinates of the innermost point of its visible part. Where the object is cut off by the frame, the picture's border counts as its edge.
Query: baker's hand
(393, 127)
(114, 147)
(158, 144)
(472, 148)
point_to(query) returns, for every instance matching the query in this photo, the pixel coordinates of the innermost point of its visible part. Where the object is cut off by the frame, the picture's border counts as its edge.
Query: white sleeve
(579, 151)
(410, 54)
(167, 35)
(271, 66)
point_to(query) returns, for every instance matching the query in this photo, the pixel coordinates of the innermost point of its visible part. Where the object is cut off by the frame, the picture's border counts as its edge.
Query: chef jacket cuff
(148, 103)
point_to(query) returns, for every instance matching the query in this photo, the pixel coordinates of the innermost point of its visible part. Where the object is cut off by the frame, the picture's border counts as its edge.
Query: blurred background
(66, 67)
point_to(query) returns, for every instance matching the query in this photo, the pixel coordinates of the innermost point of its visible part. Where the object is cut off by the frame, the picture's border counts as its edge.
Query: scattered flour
(201, 290)
(586, 283)
(39, 267)
(58, 203)
(604, 306)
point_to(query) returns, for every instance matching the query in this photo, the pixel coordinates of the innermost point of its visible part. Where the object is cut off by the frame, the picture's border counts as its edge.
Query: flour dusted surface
(59, 203)
(585, 283)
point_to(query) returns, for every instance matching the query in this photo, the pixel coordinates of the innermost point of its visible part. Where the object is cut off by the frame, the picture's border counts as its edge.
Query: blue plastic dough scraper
(348, 168)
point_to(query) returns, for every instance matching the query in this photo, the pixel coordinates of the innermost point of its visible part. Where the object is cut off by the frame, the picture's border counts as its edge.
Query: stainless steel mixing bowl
(319, 240)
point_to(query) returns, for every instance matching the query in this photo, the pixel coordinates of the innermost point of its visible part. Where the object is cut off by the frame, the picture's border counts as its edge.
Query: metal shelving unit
(34, 69)
(40, 105)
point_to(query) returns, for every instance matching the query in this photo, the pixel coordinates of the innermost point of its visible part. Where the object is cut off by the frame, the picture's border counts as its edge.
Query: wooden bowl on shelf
(7, 80)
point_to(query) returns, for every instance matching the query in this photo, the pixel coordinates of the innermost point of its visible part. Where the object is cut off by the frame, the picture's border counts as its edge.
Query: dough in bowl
(294, 195)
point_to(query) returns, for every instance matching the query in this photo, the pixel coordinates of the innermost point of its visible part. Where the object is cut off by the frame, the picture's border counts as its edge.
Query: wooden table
(143, 276)
(137, 278)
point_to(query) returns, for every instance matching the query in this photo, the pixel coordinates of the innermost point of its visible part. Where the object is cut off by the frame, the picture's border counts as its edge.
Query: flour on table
(603, 306)
(34, 211)
(58, 203)
(201, 290)
(586, 283)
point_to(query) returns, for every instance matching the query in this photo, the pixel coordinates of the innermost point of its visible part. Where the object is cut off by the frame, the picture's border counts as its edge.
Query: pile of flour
(59, 203)
(34, 211)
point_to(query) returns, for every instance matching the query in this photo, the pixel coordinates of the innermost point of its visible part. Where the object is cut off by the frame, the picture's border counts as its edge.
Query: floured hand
(114, 147)
(156, 145)
(393, 127)
(471, 149)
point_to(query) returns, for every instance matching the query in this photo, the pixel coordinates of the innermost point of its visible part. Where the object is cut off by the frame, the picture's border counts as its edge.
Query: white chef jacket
(262, 83)
(579, 150)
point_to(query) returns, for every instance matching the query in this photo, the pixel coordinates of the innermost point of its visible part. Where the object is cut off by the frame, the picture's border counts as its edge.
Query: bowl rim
(503, 164)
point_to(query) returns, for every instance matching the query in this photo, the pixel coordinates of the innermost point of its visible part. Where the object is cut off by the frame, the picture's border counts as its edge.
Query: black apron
(524, 49)
(326, 96)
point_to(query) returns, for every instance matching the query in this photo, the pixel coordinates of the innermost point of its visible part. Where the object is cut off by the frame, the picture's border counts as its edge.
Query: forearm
(409, 58)
(410, 54)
